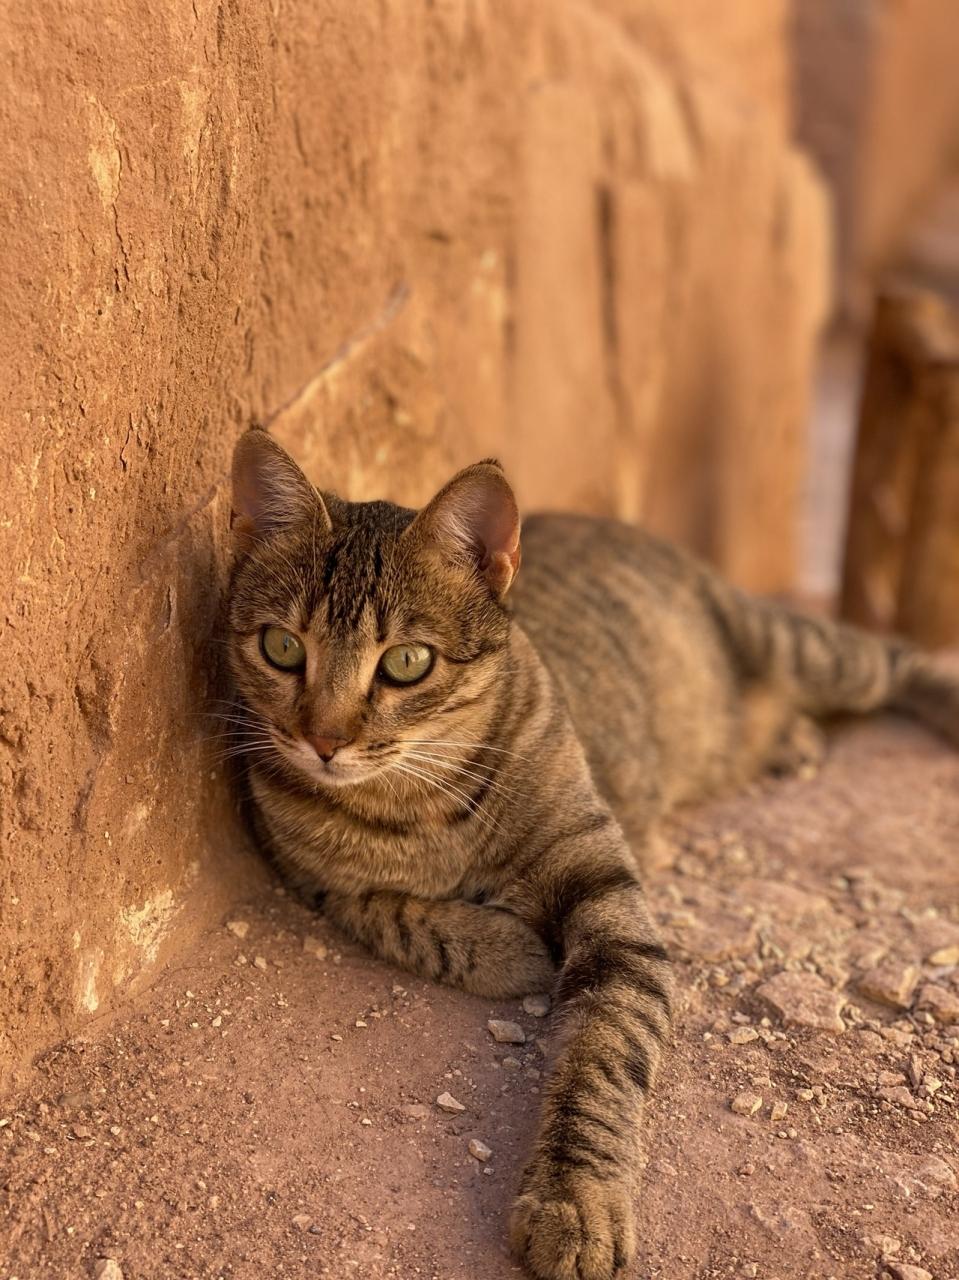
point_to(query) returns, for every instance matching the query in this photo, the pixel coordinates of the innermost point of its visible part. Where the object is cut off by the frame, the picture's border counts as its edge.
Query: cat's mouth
(346, 768)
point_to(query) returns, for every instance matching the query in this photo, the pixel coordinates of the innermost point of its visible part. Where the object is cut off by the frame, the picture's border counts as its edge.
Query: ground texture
(270, 1108)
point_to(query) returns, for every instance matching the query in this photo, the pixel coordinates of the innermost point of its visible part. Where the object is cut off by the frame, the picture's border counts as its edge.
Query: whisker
(245, 753)
(445, 788)
(494, 779)
(444, 742)
(390, 785)
(470, 760)
(236, 740)
(245, 722)
(448, 789)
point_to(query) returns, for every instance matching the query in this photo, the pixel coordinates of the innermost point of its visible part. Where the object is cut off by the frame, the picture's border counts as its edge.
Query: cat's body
(468, 823)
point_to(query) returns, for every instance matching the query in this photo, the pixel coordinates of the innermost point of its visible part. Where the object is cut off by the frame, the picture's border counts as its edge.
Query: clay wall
(877, 104)
(408, 236)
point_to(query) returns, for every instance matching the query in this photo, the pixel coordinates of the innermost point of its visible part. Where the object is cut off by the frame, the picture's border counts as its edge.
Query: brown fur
(485, 827)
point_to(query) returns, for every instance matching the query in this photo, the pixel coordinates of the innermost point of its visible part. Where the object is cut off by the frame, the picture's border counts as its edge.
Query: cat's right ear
(270, 492)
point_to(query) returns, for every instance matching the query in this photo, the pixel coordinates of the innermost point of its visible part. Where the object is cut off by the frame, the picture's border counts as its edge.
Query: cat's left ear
(475, 516)
(270, 492)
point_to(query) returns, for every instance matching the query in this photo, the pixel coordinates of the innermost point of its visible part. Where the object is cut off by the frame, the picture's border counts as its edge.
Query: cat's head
(360, 633)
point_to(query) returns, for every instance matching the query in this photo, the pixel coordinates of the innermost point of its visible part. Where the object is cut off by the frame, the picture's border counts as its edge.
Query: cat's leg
(573, 1219)
(488, 951)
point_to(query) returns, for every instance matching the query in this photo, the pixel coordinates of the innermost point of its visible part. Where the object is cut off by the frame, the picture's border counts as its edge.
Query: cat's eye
(406, 663)
(282, 648)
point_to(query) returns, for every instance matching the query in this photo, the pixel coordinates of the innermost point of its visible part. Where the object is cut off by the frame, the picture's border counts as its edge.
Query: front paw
(573, 1226)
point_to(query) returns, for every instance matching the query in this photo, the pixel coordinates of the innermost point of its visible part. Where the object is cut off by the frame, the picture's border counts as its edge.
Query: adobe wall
(409, 236)
(877, 103)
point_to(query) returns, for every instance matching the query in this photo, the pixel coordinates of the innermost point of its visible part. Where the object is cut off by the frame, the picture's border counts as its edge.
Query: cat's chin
(333, 775)
(338, 778)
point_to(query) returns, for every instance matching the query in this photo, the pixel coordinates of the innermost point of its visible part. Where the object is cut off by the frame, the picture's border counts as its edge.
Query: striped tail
(830, 667)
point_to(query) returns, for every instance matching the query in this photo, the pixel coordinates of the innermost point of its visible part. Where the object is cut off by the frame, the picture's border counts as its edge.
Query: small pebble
(302, 1221)
(75, 1101)
(506, 1032)
(239, 928)
(941, 1002)
(536, 1006)
(107, 1269)
(743, 1035)
(479, 1150)
(945, 957)
(778, 1111)
(898, 1094)
(891, 983)
(746, 1103)
(446, 1102)
(314, 947)
(888, 1246)
(804, 1000)
(889, 1078)
(259, 962)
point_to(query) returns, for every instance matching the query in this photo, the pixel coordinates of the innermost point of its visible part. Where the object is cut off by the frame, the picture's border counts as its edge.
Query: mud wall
(877, 104)
(408, 235)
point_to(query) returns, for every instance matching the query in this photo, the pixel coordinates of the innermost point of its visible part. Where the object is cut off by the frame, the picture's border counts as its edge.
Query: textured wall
(877, 103)
(744, 44)
(408, 234)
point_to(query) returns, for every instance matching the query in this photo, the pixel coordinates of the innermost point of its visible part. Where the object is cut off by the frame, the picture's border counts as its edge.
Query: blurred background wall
(877, 104)
(590, 236)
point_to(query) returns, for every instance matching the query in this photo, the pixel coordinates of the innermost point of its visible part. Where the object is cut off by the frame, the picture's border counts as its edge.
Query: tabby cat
(470, 784)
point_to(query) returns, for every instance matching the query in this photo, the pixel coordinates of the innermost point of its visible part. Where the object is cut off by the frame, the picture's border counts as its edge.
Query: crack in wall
(350, 347)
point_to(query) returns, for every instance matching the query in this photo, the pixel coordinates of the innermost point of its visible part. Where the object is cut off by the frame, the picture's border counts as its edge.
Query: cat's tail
(832, 668)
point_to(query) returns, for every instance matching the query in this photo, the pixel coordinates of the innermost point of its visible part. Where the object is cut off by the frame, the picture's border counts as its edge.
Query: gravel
(804, 1000)
(537, 1006)
(107, 1269)
(746, 1103)
(506, 1032)
(446, 1102)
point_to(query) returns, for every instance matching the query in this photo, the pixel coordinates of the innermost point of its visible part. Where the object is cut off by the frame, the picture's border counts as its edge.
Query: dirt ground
(269, 1108)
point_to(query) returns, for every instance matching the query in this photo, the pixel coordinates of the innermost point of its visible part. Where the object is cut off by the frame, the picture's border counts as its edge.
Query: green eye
(282, 649)
(406, 663)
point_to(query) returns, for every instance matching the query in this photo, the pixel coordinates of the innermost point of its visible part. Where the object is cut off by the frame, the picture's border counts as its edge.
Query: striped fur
(486, 826)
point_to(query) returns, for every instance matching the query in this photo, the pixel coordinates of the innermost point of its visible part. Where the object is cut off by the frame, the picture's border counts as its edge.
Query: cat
(467, 764)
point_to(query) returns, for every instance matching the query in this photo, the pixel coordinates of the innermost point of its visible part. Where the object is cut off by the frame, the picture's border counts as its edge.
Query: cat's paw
(575, 1227)
(800, 749)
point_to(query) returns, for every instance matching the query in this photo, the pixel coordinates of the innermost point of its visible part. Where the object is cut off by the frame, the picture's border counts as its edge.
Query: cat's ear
(475, 517)
(270, 492)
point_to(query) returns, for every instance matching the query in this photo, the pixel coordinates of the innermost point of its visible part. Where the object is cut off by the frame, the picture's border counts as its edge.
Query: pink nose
(326, 747)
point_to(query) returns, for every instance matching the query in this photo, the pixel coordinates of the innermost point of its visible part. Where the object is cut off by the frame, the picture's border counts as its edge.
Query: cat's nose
(326, 747)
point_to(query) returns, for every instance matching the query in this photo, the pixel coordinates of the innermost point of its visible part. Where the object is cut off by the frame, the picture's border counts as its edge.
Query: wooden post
(901, 569)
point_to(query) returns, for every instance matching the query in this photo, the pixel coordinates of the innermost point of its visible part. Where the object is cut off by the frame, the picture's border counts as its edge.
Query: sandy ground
(269, 1109)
